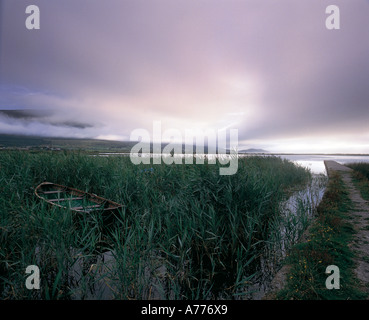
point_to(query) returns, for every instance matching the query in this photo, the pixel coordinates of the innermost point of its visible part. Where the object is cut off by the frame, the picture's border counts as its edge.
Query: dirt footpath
(360, 221)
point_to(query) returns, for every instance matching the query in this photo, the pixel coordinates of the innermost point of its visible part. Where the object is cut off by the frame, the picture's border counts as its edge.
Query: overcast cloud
(270, 69)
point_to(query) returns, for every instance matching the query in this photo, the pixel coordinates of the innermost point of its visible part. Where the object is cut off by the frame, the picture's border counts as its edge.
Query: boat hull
(74, 199)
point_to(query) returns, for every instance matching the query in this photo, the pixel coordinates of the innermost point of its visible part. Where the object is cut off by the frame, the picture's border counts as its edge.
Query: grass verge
(360, 177)
(327, 244)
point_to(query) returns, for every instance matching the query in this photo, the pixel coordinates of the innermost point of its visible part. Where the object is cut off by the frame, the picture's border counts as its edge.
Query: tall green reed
(185, 231)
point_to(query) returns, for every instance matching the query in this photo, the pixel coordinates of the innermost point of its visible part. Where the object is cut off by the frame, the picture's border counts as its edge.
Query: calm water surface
(316, 162)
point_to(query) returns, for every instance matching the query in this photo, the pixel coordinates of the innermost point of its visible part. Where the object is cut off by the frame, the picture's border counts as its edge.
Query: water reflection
(296, 213)
(316, 162)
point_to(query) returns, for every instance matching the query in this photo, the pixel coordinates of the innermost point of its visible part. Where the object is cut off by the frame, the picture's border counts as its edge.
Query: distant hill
(37, 142)
(19, 141)
(252, 150)
(23, 141)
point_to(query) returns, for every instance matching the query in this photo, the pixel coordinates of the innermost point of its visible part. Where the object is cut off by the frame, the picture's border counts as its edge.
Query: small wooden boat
(74, 199)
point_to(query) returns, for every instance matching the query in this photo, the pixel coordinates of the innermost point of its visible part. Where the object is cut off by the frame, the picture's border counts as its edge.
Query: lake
(316, 162)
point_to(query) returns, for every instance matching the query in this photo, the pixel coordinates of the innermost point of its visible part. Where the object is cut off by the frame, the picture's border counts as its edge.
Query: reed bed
(361, 167)
(361, 177)
(185, 232)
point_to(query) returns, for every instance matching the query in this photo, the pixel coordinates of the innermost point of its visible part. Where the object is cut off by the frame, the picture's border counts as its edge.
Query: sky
(270, 69)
